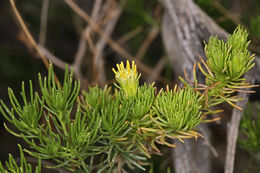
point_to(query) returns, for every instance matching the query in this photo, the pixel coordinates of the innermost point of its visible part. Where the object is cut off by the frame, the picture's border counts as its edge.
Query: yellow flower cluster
(127, 77)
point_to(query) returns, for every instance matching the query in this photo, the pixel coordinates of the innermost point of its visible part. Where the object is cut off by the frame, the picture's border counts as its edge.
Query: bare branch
(112, 43)
(147, 42)
(227, 13)
(55, 60)
(98, 60)
(157, 70)
(96, 9)
(129, 35)
(30, 38)
(79, 56)
(44, 18)
(232, 131)
(82, 42)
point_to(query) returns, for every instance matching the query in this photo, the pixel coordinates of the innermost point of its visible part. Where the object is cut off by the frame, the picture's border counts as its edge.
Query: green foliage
(29, 114)
(229, 61)
(59, 99)
(250, 128)
(53, 137)
(226, 64)
(11, 165)
(104, 131)
(96, 99)
(143, 100)
(178, 110)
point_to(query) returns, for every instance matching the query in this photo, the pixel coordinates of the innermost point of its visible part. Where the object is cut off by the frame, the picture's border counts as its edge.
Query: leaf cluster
(25, 167)
(224, 68)
(229, 61)
(176, 109)
(101, 130)
(113, 128)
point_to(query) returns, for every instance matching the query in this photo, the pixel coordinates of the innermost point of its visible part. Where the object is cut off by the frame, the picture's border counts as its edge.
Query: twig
(82, 42)
(152, 34)
(98, 60)
(79, 57)
(55, 60)
(227, 13)
(102, 16)
(107, 13)
(90, 42)
(184, 163)
(207, 139)
(96, 9)
(147, 42)
(232, 132)
(81, 50)
(157, 70)
(30, 38)
(44, 18)
(112, 43)
(86, 17)
(130, 35)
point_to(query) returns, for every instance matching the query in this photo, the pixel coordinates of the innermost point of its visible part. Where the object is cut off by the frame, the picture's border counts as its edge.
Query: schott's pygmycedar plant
(101, 131)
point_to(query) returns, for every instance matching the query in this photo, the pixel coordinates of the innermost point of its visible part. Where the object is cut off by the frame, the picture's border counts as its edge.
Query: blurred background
(124, 29)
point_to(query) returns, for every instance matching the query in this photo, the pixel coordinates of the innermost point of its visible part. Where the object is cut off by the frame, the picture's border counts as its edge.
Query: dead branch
(227, 13)
(98, 58)
(147, 42)
(30, 38)
(112, 43)
(43, 25)
(129, 35)
(54, 59)
(232, 131)
(85, 35)
(157, 70)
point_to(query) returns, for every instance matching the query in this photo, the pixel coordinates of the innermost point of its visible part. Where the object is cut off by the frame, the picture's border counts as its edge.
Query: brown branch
(232, 131)
(79, 57)
(85, 35)
(129, 35)
(146, 43)
(98, 58)
(44, 18)
(157, 70)
(112, 43)
(30, 38)
(96, 9)
(227, 13)
(55, 60)
(82, 47)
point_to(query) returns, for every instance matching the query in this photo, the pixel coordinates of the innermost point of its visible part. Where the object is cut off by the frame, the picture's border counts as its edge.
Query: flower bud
(127, 77)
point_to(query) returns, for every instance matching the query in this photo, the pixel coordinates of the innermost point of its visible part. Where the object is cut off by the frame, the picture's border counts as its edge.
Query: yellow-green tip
(127, 77)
